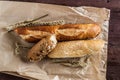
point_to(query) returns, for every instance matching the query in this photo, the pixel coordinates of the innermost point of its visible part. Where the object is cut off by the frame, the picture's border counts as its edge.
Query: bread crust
(79, 48)
(63, 32)
(42, 48)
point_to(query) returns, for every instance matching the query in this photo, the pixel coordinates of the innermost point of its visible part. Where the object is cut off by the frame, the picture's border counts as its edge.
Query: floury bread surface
(80, 48)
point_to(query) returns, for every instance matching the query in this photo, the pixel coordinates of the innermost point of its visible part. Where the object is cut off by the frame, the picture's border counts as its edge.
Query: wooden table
(113, 66)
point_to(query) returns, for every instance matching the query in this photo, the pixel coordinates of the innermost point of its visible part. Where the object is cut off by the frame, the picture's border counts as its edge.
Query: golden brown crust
(63, 32)
(78, 48)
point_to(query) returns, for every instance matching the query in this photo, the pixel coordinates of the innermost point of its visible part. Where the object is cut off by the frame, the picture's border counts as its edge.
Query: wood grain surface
(113, 64)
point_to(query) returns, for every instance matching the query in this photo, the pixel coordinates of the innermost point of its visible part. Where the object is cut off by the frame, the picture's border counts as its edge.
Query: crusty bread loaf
(63, 32)
(42, 48)
(78, 48)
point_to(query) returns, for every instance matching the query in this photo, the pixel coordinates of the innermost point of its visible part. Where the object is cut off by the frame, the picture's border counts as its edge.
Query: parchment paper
(13, 12)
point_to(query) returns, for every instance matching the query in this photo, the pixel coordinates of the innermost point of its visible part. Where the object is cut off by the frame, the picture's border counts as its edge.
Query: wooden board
(113, 67)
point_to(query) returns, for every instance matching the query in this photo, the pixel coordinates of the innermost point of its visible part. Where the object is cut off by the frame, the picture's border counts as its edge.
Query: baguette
(63, 32)
(80, 48)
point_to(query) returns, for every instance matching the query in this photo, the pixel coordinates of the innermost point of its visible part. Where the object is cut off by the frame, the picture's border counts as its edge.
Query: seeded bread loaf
(42, 48)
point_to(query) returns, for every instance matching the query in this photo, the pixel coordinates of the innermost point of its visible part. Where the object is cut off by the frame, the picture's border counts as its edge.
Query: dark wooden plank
(115, 17)
(111, 4)
(10, 77)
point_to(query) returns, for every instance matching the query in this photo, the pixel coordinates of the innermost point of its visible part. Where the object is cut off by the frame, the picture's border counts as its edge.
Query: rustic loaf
(65, 32)
(79, 48)
(42, 48)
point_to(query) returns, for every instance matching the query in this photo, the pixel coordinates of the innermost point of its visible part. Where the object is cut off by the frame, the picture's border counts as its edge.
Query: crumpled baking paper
(14, 12)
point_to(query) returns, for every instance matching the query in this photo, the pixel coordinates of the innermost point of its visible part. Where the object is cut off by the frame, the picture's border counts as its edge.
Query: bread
(63, 32)
(42, 48)
(80, 48)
